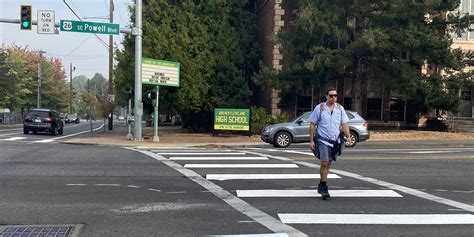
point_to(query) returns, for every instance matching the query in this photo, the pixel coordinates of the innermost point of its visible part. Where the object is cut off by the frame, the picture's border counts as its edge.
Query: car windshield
(305, 118)
(40, 114)
(71, 116)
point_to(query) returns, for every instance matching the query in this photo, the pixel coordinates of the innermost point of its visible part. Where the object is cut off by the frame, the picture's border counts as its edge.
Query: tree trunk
(356, 86)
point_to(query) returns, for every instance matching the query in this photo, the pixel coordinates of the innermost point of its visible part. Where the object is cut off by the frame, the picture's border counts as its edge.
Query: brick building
(376, 104)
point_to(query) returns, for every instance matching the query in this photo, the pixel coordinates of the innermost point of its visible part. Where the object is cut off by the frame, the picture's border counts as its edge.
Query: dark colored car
(72, 119)
(297, 130)
(43, 120)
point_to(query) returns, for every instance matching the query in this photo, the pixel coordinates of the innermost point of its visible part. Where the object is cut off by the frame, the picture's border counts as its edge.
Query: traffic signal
(25, 17)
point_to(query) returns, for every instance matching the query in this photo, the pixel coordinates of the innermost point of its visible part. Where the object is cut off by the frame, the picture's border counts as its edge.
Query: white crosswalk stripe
(14, 139)
(378, 219)
(230, 166)
(200, 153)
(222, 177)
(44, 141)
(314, 193)
(207, 158)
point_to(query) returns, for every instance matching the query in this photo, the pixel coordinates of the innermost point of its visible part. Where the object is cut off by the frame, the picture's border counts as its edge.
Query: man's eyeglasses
(331, 96)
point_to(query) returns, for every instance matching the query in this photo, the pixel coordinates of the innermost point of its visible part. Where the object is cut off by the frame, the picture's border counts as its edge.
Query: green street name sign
(232, 119)
(90, 27)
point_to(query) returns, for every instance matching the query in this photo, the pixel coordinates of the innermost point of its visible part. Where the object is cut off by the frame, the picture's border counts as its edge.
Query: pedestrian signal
(25, 17)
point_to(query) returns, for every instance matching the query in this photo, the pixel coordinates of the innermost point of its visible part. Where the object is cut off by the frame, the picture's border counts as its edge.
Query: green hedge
(261, 118)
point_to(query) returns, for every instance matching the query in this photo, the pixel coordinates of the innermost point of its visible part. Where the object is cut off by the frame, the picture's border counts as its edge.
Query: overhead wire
(105, 44)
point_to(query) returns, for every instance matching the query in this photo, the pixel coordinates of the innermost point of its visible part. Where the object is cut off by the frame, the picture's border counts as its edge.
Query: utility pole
(71, 69)
(137, 31)
(38, 102)
(111, 58)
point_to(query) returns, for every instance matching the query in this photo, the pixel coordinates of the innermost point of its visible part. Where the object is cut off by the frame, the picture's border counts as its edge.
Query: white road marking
(44, 141)
(14, 138)
(219, 158)
(222, 177)
(177, 192)
(7, 134)
(388, 185)
(314, 193)
(460, 191)
(154, 190)
(201, 153)
(378, 219)
(422, 152)
(78, 133)
(133, 186)
(240, 205)
(253, 235)
(197, 150)
(230, 166)
(112, 185)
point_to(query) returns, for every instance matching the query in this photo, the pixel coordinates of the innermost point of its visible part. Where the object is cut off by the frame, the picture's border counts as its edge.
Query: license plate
(37, 120)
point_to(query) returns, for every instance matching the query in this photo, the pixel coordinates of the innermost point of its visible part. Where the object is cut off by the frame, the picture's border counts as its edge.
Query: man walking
(328, 117)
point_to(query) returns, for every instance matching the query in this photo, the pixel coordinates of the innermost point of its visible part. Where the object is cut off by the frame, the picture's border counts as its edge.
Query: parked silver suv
(297, 130)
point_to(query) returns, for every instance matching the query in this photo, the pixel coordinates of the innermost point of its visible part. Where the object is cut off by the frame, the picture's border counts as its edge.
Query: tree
(213, 42)
(381, 40)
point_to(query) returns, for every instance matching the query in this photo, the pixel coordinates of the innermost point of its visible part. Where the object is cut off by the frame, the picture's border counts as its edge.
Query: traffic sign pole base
(156, 138)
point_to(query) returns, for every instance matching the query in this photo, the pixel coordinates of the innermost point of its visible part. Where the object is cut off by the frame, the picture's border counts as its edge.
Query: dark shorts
(325, 153)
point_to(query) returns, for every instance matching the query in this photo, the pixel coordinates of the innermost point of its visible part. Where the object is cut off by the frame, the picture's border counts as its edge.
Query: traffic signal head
(25, 17)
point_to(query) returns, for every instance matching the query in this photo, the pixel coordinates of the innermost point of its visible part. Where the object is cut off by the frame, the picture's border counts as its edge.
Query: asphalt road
(70, 130)
(378, 189)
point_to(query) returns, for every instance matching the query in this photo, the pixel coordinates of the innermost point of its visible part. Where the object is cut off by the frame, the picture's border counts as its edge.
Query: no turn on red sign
(45, 22)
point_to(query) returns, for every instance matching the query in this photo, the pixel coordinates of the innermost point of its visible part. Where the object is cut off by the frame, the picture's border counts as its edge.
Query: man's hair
(330, 89)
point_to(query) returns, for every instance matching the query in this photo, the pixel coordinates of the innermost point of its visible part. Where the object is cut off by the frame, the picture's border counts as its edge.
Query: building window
(303, 104)
(374, 109)
(466, 95)
(397, 110)
(466, 7)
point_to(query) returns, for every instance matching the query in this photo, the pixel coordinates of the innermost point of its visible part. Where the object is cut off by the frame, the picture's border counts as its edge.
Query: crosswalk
(245, 168)
(28, 139)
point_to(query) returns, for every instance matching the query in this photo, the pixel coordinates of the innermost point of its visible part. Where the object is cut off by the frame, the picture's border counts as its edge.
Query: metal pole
(38, 102)
(70, 88)
(138, 70)
(129, 135)
(156, 138)
(111, 55)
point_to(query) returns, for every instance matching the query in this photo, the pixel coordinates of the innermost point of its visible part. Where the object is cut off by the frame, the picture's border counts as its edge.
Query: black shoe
(320, 188)
(325, 192)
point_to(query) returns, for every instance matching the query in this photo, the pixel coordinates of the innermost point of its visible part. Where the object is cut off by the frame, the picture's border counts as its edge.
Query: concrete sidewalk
(173, 136)
(170, 136)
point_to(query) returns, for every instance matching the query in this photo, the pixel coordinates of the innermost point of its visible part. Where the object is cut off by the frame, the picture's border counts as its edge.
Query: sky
(84, 50)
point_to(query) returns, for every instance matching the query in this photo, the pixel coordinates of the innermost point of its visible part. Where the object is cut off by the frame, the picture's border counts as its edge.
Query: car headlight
(268, 129)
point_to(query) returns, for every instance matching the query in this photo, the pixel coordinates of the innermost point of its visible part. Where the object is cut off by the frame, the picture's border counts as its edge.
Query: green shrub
(261, 118)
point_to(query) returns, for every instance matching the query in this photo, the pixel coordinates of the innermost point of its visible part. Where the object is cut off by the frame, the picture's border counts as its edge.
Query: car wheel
(35, 132)
(354, 139)
(282, 139)
(26, 131)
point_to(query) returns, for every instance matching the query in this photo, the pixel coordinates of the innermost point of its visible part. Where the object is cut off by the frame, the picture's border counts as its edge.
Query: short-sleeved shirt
(329, 125)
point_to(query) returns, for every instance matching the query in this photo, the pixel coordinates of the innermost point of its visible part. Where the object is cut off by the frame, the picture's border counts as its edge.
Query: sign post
(89, 27)
(156, 138)
(159, 73)
(46, 23)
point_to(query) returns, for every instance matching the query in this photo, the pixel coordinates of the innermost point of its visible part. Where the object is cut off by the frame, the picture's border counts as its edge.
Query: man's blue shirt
(329, 126)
